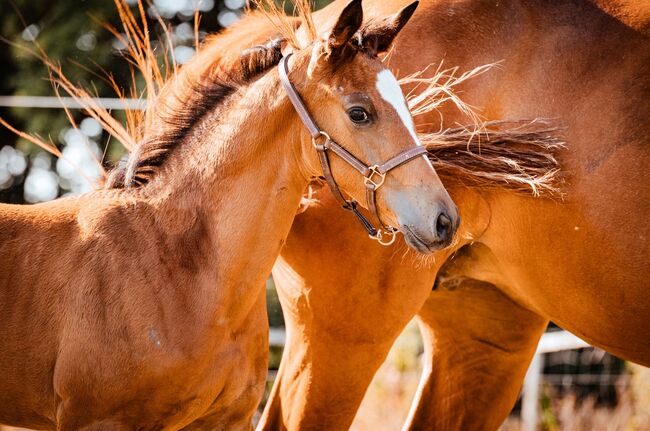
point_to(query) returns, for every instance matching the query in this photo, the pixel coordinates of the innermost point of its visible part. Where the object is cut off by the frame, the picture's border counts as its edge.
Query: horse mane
(201, 85)
(287, 26)
(184, 102)
(519, 156)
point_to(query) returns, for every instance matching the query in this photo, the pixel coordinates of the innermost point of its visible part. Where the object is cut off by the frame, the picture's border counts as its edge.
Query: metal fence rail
(69, 102)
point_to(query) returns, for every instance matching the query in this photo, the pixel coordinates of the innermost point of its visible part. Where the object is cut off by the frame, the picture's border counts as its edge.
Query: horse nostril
(443, 226)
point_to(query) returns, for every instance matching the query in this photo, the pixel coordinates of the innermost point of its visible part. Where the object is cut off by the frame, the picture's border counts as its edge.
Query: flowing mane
(519, 156)
(185, 100)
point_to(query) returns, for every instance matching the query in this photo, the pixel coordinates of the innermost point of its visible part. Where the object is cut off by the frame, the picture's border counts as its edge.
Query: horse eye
(358, 115)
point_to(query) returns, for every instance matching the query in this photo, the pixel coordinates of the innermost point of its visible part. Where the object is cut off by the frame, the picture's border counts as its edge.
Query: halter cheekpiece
(373, 175)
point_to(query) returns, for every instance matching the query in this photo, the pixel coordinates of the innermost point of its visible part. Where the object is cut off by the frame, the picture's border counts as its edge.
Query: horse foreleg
(339, 331)
(321, 381)
(345, 302)
(478, 344)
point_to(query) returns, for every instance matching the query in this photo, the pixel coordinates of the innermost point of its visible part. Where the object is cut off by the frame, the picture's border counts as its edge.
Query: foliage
(71, 33)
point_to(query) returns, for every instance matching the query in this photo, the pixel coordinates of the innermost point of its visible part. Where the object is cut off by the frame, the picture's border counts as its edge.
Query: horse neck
(239, 176)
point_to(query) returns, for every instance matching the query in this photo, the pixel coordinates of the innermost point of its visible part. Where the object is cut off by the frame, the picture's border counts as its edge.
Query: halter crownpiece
(373, 175)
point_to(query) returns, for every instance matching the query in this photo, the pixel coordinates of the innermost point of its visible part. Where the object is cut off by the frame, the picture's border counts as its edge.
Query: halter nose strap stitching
(370, 173)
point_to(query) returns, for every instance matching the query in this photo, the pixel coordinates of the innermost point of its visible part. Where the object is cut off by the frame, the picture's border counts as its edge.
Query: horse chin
(414, 240)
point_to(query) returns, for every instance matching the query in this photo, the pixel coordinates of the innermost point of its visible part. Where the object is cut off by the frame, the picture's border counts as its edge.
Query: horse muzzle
(438, 235)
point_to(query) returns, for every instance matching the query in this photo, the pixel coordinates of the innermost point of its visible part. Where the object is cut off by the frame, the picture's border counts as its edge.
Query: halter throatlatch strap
(373, 176)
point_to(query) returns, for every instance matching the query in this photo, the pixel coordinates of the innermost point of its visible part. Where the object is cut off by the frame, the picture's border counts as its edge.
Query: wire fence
(550, 342)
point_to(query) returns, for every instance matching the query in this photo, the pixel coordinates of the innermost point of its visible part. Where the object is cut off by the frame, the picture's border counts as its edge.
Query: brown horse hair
(204, 95)
(518, 156)
(288, 25)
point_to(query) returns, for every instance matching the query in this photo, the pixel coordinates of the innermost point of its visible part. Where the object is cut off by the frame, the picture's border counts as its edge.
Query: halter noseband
(373, 176)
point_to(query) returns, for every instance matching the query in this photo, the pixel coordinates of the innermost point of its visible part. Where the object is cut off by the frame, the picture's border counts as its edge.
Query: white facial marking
(391, 92)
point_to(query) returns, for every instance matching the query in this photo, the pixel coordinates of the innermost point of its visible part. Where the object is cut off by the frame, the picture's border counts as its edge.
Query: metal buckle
(368, 179)
(380, 237)
(325, 135)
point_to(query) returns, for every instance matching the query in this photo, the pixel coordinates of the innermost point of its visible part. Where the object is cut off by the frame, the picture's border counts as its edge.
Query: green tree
(71, 33)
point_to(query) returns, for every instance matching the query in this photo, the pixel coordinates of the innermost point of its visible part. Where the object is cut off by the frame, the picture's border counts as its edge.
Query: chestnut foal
(142, 306)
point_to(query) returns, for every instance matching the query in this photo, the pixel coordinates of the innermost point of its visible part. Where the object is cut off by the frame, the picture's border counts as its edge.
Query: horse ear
(348, 23)
(378, 37)
(335, 47)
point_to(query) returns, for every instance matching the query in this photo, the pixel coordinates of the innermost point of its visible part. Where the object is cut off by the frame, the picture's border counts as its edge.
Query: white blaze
(391, 92)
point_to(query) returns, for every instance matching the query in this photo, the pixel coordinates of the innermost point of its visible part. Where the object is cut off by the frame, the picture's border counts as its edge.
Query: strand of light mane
(34, 139)
(275, 14)
(197, 21)
(514, 155)
(439, 89)
(73, 123)
(80, 95)
(305, 8)
(170, 46)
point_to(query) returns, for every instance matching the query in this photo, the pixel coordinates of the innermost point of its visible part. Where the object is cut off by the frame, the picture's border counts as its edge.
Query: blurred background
(572, 388)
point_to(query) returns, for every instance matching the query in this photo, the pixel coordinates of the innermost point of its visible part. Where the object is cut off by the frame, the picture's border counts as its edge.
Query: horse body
(168, 321)
(579, 261)
(139, 308)
(589, 248)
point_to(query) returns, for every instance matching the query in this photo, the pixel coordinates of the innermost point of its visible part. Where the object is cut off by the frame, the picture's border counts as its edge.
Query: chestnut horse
(142, 306)
(520, 261)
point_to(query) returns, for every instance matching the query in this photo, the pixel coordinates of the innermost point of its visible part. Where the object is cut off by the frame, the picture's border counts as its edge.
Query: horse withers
(142, 306)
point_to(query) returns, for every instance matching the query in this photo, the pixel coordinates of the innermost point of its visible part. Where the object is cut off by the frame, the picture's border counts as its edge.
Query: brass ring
(379, 237)
(368, 179)
(313, 140)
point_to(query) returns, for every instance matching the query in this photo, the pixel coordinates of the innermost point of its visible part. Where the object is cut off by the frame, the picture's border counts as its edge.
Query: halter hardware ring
(368, 179)
(323, 134)
(380, 237)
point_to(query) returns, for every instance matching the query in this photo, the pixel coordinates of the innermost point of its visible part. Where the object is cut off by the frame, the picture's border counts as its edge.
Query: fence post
(530, 395)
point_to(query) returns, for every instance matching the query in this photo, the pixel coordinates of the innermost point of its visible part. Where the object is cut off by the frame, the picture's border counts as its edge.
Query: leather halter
(373, 175)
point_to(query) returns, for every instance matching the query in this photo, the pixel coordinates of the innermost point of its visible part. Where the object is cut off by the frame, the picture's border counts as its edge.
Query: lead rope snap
(379, 237)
